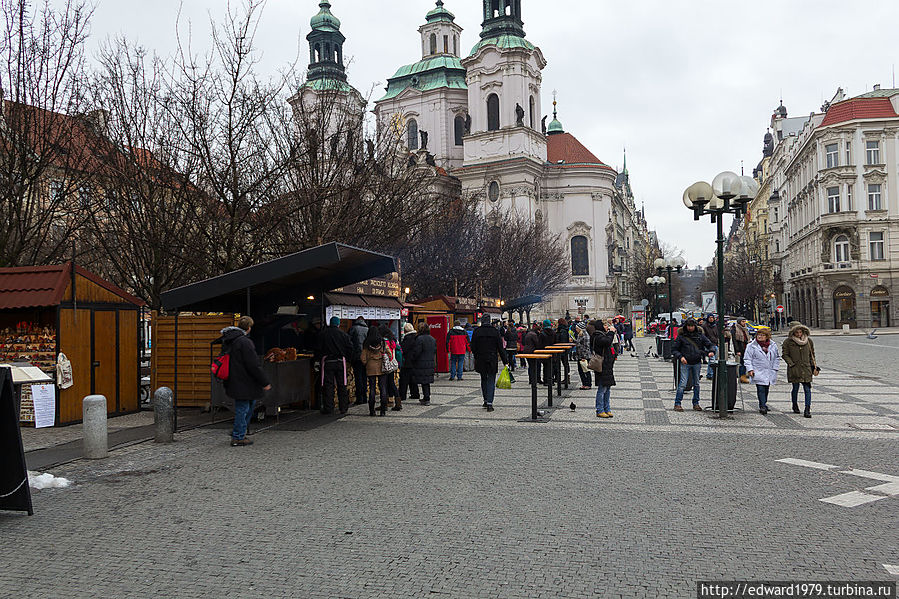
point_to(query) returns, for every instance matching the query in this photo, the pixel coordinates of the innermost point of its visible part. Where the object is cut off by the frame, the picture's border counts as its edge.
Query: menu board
(388, 286)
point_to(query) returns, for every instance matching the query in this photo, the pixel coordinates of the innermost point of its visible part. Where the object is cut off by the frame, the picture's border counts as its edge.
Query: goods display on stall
(50, 311)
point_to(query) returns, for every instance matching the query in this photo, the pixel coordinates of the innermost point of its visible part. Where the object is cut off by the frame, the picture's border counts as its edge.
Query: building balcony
(834, 218)
(830, 268)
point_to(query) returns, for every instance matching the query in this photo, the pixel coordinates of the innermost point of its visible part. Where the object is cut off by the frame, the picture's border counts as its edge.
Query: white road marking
(894, 570)
(807, 464)
(889, 488)
(852, 499)
(888, 478)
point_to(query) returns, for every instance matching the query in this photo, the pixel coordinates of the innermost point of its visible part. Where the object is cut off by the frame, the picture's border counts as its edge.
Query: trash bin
(732, 383)
(666, 349)
(658, 345)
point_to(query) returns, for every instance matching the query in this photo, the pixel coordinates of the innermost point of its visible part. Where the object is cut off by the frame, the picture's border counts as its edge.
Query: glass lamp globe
(661, 280)
(660, 263)
(727, 185)
(749, 190)
(698, 195)
(678, 262)
(651, 281)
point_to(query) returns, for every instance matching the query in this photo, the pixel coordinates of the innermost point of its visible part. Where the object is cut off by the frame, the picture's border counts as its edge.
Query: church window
(456, 45)
(446, 44)
(318, 53)
(433, 43)
(493, 191)
(580, 261)
(508, 8)
(494, 8)
(459, 129)
(412, 134)
(533, 113)
(492, 112)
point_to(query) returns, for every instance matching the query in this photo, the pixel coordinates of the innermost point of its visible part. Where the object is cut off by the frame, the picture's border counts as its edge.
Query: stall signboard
(466, 304)
(15, 494)
(638, 321)
(384, 286)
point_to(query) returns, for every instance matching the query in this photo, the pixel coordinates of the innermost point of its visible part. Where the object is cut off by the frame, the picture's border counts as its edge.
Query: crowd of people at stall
(388, 371)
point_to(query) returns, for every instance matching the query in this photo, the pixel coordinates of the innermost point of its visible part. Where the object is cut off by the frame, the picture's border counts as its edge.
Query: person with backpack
(336, 351)
(422, 360)
(583, 353)
(357, 334)
(689, 348)
(456, 346)
(373, 352)
(487, 347)
(246, 382)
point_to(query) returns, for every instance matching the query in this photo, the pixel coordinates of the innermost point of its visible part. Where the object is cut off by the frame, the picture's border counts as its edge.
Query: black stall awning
(280, 282)
(523, 302)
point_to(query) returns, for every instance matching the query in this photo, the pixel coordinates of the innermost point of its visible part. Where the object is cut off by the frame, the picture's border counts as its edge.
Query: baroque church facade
(476, 116)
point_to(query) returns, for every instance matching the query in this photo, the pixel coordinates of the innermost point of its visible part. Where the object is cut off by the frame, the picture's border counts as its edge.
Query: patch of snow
(47, 481)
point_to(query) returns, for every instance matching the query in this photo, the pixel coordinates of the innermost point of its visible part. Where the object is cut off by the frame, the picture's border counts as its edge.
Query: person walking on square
(406, 371)
(689, 347)
(421, 358)
(799, 354)
(530, 341)
(603, 341)
(582, 352)
(394, 349)
(337, 351)
(373, 358)
(487, 347)
(710, 330)
(547, 338)
(629, 336)
(357, 334)
(246, 382)
(762, 363)
(456, 346)
(511, 337)
(739, 333)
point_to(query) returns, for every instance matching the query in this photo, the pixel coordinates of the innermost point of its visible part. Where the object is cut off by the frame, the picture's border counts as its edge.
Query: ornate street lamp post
(729, 193)
(654, 282)
(671, 265)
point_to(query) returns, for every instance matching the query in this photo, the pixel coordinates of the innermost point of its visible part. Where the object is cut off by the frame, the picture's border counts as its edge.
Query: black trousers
(379, 381)
(361, 379)
(511, 359)
(406, 383)
(531, 365)
(586, 376)
(334, 377)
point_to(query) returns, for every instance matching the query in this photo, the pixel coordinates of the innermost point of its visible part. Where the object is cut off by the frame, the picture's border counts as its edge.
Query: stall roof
(523, 302)
(45, 286)
(282, 281)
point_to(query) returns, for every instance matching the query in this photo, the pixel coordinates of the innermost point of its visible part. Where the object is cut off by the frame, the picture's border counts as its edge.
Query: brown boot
(398, 406)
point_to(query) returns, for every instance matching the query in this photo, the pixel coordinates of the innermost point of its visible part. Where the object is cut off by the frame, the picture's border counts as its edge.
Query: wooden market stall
(46, 311)
(285, 297)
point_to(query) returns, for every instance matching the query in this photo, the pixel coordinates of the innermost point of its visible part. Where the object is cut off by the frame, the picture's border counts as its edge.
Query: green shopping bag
(505, 379)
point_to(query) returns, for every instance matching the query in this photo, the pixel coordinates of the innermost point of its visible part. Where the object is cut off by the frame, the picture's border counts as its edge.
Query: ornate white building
(479, 117)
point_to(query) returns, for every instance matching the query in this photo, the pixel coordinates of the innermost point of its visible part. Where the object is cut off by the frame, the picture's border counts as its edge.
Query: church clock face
(493, 191)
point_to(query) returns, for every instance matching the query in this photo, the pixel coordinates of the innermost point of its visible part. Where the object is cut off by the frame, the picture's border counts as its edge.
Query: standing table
(567, 347)
(556, 356)
(534, 415)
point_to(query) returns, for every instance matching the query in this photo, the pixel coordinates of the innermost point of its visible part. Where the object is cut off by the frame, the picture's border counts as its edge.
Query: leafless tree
(152, 212)
(46, 168)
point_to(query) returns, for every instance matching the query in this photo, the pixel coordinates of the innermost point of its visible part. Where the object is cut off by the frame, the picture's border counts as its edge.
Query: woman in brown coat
(373, 358)
(799, 354)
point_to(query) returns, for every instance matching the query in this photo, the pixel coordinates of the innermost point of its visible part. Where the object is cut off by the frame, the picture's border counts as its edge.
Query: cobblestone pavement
(860, 356)
(452, 501)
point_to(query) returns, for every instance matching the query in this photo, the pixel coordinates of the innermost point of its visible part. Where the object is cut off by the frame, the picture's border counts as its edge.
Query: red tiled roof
(566, 148)
(859, 108)
(32, 286)
(42, 286)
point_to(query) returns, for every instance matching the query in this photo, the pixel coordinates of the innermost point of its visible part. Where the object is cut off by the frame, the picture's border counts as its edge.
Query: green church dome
(324, 20)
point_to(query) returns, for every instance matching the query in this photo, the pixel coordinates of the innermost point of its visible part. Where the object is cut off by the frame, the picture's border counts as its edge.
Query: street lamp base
(718, 416)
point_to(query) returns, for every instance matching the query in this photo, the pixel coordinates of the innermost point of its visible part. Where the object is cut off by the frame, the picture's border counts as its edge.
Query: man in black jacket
(530, 341)
(246, 382)
(487, 347)
(690, 347)
(357, 333)
(336, 350)
(710, 330)
(547, 338)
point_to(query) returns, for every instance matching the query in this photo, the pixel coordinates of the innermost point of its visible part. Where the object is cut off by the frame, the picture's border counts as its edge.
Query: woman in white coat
(762, 359)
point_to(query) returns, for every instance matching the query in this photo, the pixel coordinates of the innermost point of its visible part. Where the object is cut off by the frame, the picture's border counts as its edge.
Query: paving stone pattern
(453, 501)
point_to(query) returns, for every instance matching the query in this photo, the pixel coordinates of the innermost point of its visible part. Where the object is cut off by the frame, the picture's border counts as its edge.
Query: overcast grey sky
(688, 86)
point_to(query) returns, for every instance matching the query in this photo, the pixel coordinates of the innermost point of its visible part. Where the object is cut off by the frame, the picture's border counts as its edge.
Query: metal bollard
(94, 430)
(164, 415)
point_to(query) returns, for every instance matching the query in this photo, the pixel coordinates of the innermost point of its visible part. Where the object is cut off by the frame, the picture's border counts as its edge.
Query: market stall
(288, 299)
(46, 311)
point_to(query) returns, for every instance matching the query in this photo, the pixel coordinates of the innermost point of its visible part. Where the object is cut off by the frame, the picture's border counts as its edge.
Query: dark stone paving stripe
(784, 421)
(656, 417)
